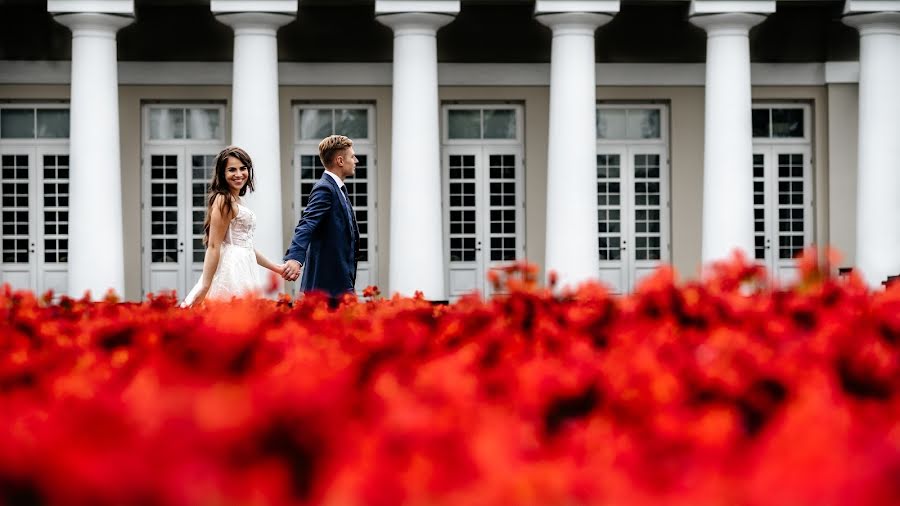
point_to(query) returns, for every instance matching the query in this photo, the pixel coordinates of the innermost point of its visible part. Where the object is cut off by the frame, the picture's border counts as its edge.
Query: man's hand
(291, 270)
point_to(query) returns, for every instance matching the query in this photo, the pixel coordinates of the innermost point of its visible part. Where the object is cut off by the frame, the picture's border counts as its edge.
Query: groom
(326, 241)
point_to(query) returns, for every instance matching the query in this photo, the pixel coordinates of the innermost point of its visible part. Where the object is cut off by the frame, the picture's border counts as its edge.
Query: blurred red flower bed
(725, 391)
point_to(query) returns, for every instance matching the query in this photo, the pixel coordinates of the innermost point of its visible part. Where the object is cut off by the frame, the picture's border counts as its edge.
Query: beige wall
(843, 122)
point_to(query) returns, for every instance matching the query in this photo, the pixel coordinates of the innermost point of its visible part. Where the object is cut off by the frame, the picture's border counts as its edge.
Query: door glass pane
(791, 211)
(17, 123)
(611, 123)
(315, 124)
(787, 122)
(647, 207)
(502, 206)
(166, 124)
(202, 168)
(759, 207)
(499, 124)
(204, 124)
(56, 208)
(164, 208)
(464, 124)
(311, 169)
(643, 124)
(353, 123)
(14, 209)
(462, 208)
(609, 206)
(358, 191)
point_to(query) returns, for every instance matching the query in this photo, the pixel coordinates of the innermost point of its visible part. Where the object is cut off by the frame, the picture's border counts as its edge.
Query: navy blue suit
(326, 241)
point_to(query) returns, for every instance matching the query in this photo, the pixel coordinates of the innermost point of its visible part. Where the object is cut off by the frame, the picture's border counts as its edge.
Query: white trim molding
(558, 6)
(842, 72)
(96, 6)
(431, 6)
(731, 6)
(861, 6)
(16, 72)
(233, 6)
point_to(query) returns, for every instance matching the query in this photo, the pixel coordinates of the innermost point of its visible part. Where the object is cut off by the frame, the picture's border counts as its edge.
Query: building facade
(595, 138)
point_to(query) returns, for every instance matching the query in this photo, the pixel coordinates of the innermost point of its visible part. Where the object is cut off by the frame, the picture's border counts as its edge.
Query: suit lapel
(345, 204)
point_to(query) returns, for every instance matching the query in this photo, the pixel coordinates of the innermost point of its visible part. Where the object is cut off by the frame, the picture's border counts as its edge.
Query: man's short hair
(331, 146)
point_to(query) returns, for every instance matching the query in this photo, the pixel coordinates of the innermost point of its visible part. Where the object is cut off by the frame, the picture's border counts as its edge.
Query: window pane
(760, 122)
(53, 123)
(464, 124)
(17, 123)
(204, 124)
(500, 124)
(315, 124)
(610, 123)
(787, 122)
(166, 124)
(643, 124)
(353, 123)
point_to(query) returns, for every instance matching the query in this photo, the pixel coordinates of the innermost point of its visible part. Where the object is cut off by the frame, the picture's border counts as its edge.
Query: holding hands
(291, 270)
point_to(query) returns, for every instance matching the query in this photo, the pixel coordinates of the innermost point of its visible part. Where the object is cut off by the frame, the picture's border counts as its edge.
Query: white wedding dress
(237, 272)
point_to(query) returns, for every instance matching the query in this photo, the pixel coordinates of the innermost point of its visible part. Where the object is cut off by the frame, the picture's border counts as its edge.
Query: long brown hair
(218, 185)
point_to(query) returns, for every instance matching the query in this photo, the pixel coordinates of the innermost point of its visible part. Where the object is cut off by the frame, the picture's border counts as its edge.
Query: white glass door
(163, 207)
(463, 236)
(35, 206)
(483, 213)
(782, 207)
(632, 213)
(176, 180)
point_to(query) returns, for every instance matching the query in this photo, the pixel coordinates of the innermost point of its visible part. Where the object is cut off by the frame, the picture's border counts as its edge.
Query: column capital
(542, 7)
(733, 23)
(874, 22)
(122, 7)
(731, 6)
(93, 24)
(569, 23)
(250, 23)
(863, 6)
(449, 7)
(410, 23)
(273, 6)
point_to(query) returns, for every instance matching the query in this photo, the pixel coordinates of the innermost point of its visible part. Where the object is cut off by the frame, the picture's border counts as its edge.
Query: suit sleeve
(320, 202)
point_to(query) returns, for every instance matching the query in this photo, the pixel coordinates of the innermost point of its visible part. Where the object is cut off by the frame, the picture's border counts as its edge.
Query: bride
(229, 268)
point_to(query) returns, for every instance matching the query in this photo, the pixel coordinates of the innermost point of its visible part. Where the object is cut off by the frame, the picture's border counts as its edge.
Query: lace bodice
(241, 229)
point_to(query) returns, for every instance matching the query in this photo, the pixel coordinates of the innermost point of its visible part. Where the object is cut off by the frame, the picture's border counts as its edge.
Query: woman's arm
(265, 262)
(218, 226)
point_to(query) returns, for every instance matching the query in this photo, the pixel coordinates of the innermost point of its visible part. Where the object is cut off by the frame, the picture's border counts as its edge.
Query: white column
(96, 248)
(571, 247)
(878, 169)
(417, 247)
(728, 136)
(254, 119)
